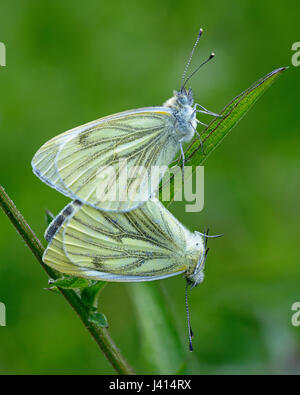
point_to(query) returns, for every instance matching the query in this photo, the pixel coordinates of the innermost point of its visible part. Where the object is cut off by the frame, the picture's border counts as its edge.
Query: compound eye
(183, 100)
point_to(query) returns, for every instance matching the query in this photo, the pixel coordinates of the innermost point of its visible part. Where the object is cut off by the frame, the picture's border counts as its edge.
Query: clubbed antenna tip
(190, 58)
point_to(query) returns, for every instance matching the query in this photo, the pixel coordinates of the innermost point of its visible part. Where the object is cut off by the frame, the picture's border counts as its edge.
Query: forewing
(94, 164)
(43, 162)
(142, 245)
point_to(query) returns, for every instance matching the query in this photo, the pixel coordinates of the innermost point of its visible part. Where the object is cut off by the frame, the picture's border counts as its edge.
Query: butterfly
(145, 244)
(116, 163)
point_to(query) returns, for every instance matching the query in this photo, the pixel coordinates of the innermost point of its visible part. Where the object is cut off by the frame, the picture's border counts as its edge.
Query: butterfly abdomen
(59, 220)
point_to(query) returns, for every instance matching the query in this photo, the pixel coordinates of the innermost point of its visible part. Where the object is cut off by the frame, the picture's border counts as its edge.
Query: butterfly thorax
(181, 105)
(195, 254)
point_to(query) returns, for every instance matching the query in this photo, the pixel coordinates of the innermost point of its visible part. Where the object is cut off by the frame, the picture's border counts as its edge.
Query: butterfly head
(197, 276)
(181, 100)
(197, 251)
(184, 97)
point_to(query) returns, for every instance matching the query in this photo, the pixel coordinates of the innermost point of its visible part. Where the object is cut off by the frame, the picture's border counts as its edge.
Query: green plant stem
(100, 335)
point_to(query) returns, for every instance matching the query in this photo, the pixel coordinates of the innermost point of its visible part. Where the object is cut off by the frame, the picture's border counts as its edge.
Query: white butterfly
(76, 162)
(145, 244)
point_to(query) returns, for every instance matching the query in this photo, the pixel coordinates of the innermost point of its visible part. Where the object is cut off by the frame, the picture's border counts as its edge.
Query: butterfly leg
(183, 158)
(178, 160)
(205, 111)
(201, 123)
(196, 131)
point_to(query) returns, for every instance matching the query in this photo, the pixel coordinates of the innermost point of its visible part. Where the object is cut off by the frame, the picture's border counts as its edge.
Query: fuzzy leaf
(53, 289)
(98, 319)
(70, 282)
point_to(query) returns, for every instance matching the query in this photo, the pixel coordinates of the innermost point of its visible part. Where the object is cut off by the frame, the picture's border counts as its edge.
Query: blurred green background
(71, 62)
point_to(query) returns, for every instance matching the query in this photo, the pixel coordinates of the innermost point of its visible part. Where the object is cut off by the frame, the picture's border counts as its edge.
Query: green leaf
(98, 319)
(218, 129)
(70, 282)
(90, 294)
(53, 289)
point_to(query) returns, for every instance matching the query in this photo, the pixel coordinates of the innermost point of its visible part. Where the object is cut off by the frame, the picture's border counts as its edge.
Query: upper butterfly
(116, 163)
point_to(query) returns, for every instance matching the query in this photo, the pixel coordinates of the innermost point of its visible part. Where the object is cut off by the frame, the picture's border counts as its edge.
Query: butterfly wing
(91, 163)
(43, 162)
(54, 254)
(141, 245)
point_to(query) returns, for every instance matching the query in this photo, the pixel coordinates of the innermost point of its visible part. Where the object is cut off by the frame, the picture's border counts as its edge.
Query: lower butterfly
(142, 245)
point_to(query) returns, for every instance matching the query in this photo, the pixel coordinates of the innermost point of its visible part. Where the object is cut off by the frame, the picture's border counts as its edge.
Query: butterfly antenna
(205, 243)
(195, 71)
(190, 58)
(209, 236)
(206, 252)
(191, 334)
